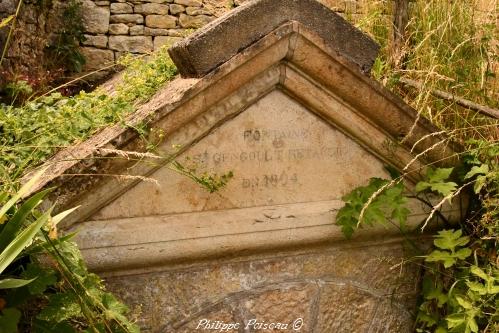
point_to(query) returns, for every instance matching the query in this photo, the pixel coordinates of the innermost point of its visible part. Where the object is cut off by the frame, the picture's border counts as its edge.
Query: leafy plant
(32, 132)
(66, 48)
(70, 298)
(371, 204)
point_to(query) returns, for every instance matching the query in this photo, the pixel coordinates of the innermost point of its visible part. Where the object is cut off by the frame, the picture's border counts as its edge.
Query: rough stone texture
(187, 21)
(137, 30)
(151, 8)
(176, 33)
(161, 21)
(97, 41)
(176, 9)
(202, 51)
(95, 19)
(127, 18)
(164, 40)
(134, 44)
(282, 289)
(121, 8)
(118, 29)
(345, 308)
(8, 6)
(197, 11)
(192, 3)
(97, 58)
(155, 32)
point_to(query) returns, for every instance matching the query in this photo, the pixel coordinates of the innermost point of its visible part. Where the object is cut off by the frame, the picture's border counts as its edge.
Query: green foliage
(65, 49)
(73, 297)
(9, 319)
(458, 295)
(436, 181)
(371, 204)
(451, 243)
(4, 22)
(31, 133)
(210, 182)
(450, 46)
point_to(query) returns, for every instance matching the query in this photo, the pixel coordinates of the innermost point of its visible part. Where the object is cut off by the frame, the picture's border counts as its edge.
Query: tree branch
(485, 110)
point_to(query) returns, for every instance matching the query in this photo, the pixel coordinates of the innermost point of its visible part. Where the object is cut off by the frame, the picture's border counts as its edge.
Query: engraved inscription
(279, 152)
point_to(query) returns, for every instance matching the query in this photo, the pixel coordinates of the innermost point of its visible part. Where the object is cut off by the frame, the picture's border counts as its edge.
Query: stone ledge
(223, 38)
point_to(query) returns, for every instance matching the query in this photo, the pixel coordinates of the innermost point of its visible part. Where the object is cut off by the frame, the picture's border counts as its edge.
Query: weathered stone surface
(226, 313)
(121, 8)
(164, 40)
(345, 308)
(102, 3)
(118, 29)
(191, 3)
(155, 32)
(177, 33)
(134, 44)
(127, 18)
(97, 41)
(175, 9)
(95, 19)
(137, 30)
(277, 289)
(161, 21)
(151, 8)
(203, 51)
(197, 11)
(286, 305)
(187, 21)
(96, 58)
(8, 6)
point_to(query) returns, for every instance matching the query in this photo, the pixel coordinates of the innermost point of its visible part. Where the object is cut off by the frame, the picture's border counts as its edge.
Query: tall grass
(450, 46)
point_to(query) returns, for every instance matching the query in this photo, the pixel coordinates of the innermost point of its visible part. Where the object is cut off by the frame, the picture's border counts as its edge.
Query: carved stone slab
(217, 42)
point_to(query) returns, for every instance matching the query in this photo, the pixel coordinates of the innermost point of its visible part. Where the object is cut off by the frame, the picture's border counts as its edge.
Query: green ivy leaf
(475, 270)
(479, 183)
(438, 295)
(463, 253)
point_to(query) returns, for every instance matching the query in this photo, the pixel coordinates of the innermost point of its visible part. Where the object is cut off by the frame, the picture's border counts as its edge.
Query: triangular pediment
(279, 152)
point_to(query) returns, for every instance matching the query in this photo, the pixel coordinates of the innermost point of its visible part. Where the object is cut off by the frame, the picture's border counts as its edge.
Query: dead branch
(485, 110)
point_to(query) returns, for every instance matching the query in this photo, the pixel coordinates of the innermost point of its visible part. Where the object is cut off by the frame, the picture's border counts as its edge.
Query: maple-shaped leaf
(450, 239)
(447, 258)
(436, 181)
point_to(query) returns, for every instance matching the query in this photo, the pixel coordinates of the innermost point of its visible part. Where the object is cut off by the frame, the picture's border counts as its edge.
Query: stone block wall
(115, 27)
(142, 26)
(137, 26)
